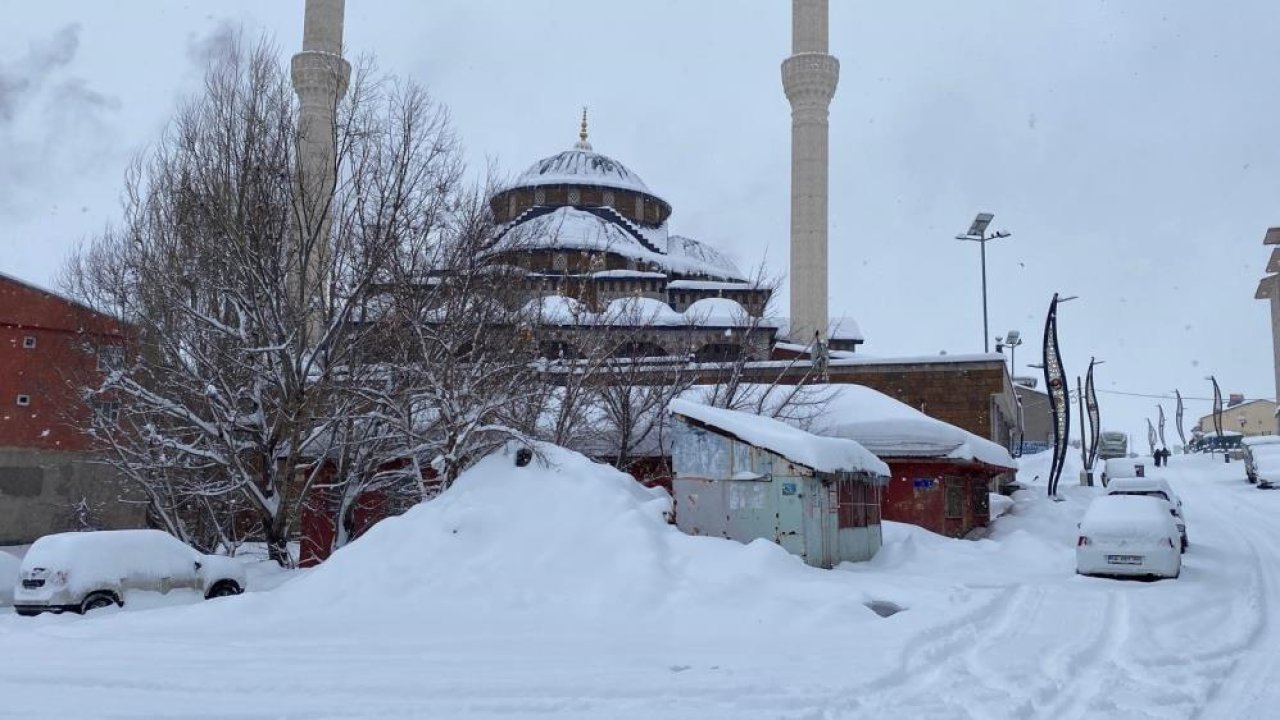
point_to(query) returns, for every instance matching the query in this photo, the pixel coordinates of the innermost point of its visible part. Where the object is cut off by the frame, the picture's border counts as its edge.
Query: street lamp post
(978, 233)
(1011, 340)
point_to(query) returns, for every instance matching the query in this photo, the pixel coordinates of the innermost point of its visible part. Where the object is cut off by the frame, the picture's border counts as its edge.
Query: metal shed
(743, 477)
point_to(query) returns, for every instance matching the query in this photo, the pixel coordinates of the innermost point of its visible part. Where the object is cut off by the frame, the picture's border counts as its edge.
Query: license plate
(1124, 559)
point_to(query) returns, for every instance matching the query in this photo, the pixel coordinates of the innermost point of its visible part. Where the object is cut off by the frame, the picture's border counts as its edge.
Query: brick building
(50, 347)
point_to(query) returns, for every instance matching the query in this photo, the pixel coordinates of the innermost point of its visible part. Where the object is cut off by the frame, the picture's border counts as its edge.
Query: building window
(110, 358)
(575, 196)
(24, 400)
(539, 196)
(955, 498)
(106, 413)
(608, 198)
(29, 342)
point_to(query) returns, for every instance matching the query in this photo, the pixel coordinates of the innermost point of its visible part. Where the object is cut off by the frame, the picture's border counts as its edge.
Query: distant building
(1037, 416)
(1255, 417)
(51, 347)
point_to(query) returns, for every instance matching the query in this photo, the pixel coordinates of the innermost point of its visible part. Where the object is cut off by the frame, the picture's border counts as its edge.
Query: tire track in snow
(931, 660)
(1253, 664)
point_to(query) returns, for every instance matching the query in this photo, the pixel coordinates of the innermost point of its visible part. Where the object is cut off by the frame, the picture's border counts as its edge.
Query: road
(993, 629)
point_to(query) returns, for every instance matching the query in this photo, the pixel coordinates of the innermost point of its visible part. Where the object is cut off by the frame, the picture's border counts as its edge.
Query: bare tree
(243, 298)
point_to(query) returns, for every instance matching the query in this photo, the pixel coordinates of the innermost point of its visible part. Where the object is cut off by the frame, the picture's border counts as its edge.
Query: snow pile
(825, 454)
(1128, 517)
(559, 545)
(8, 577)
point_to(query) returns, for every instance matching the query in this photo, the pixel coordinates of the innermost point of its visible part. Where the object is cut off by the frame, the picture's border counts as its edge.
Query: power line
(1166, 397)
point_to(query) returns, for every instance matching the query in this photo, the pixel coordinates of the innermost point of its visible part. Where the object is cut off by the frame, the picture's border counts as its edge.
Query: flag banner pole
(1095, 426)
(1060, 407)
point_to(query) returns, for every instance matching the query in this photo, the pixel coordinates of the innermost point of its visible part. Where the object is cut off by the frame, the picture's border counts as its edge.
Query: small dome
(717, 312)
(556, 310)
(641, 311)
(581, 166)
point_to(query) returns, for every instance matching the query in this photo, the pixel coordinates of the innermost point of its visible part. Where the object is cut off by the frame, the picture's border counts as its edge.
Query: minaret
(320, 78)
(809, 79)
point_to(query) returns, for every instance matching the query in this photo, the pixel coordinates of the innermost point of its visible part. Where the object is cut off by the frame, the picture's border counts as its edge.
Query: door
(789, 531)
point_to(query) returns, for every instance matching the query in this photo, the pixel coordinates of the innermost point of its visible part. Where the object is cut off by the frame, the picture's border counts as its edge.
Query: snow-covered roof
(890, 428)
(708, 285)
(823, 454)
(881, 424)
(628, 274)
(717, 312)
(838, 328)
(641, 311)
(580, 166)
(557, 309)
(696, 254)
(570, 228)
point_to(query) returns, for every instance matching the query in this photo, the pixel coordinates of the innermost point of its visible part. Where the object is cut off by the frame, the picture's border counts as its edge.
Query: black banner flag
(1055, 381)
(1091, 407)
(1177, 419)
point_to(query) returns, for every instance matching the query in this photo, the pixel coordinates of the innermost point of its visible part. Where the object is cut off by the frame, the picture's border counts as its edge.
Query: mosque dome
(581, 166)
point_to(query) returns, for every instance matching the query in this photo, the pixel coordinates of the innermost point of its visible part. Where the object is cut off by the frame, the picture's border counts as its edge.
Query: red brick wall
(51, 372)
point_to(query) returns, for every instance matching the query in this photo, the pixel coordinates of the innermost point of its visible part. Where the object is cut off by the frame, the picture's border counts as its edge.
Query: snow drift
(564, 542)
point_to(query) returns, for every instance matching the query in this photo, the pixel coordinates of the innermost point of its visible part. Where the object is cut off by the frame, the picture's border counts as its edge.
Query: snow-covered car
(1128, 535)
(83, 571)
(1158, 488)
(1266, 467)
(1258, 451)
(1137, 466)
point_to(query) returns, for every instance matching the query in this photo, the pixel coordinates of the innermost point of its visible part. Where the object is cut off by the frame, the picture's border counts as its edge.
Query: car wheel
(223, 588)
(97, 601)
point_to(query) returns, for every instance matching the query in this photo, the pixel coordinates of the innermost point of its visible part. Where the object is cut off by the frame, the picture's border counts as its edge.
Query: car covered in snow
(1128, 535)
(1158, 488)
(1263, 447)
(83, 571)
(1266, 466)
(1137, 466)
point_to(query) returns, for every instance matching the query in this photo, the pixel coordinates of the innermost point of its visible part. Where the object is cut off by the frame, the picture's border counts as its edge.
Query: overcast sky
(1129, 146)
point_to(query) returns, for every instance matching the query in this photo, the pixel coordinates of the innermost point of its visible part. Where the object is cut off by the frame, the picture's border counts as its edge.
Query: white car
(1266, 466)
(1261, 445)
(1137, 466)
(83, 571)
(1158, 488)
(1127, 535)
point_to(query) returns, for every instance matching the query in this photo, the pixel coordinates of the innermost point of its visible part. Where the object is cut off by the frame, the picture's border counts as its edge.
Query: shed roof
(823, 454)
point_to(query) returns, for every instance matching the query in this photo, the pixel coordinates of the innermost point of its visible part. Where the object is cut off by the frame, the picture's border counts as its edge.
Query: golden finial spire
(582, 132)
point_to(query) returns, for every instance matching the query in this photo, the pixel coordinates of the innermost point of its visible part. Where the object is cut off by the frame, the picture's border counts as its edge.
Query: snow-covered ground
(561, 593)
